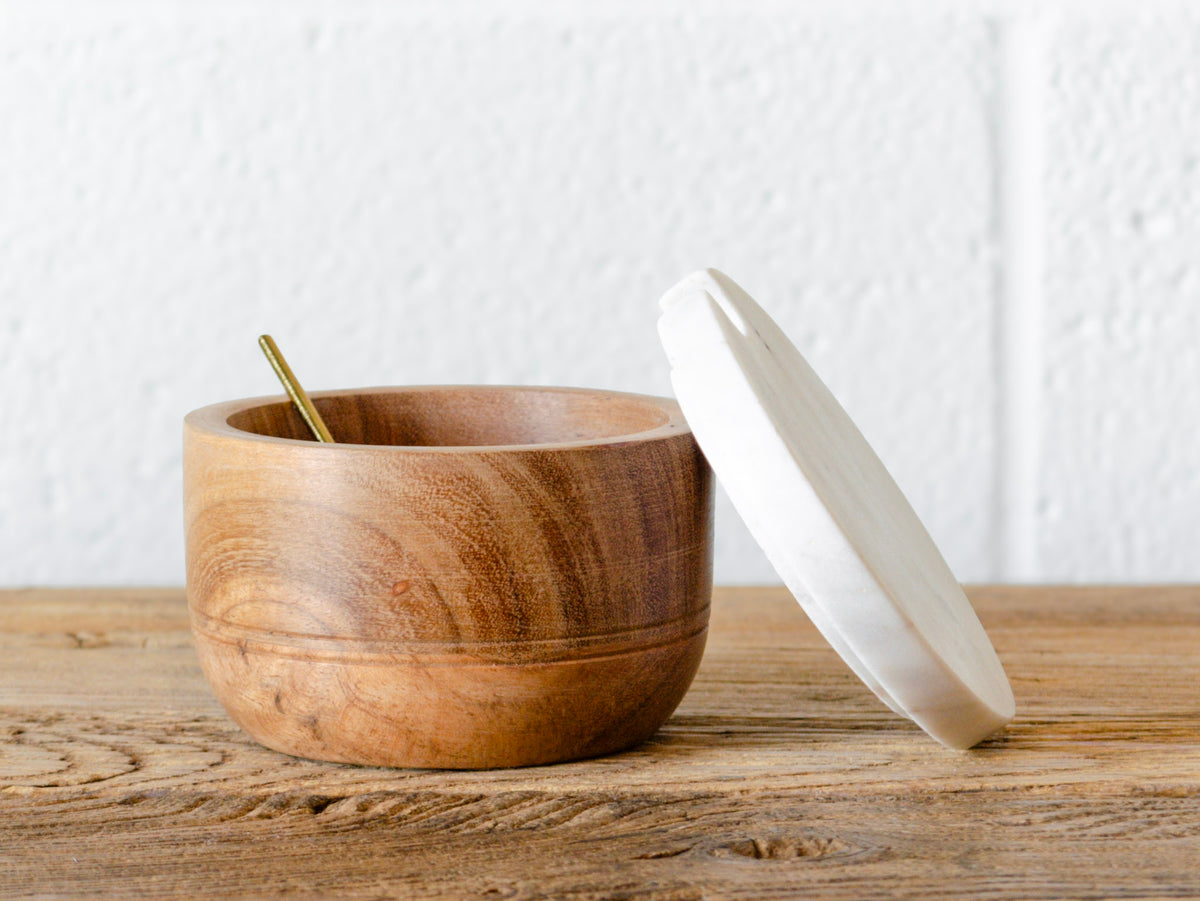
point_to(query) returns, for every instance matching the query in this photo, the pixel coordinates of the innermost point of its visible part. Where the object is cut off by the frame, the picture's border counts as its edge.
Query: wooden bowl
(471, 577)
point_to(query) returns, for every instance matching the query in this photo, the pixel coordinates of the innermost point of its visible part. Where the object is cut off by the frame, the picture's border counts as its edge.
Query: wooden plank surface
(779, 776)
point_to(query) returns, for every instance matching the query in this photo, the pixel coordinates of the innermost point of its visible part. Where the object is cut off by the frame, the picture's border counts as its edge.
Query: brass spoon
(295, 391)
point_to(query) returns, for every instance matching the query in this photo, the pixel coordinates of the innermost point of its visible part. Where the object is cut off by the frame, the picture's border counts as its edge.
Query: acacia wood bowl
(471, 577)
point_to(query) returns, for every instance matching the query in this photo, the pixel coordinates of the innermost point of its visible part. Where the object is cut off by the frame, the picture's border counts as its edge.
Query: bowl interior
(466, 416)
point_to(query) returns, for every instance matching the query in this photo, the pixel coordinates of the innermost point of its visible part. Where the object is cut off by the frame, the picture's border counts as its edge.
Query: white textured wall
(982, 226)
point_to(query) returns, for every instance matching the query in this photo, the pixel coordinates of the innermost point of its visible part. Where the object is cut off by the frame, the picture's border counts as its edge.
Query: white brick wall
(1120, 484)
(499, 193)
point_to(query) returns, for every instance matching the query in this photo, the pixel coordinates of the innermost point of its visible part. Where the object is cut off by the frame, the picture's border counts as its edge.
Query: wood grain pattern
(779, 776)
(472, 577)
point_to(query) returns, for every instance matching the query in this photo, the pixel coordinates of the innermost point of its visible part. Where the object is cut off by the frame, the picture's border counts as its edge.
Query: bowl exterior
(463, 608)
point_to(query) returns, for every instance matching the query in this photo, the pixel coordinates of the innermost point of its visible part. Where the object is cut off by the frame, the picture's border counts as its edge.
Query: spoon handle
(294, 389)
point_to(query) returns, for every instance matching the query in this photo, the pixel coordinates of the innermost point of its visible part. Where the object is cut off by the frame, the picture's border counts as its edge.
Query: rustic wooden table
(779, 776)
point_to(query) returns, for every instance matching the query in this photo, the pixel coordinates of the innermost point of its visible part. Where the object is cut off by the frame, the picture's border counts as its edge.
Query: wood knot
(796, 848)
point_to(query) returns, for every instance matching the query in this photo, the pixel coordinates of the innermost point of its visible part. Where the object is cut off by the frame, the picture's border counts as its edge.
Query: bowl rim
(213, 419)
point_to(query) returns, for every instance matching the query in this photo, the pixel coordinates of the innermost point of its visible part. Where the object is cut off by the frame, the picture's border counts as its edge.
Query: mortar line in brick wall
(1020, 234)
